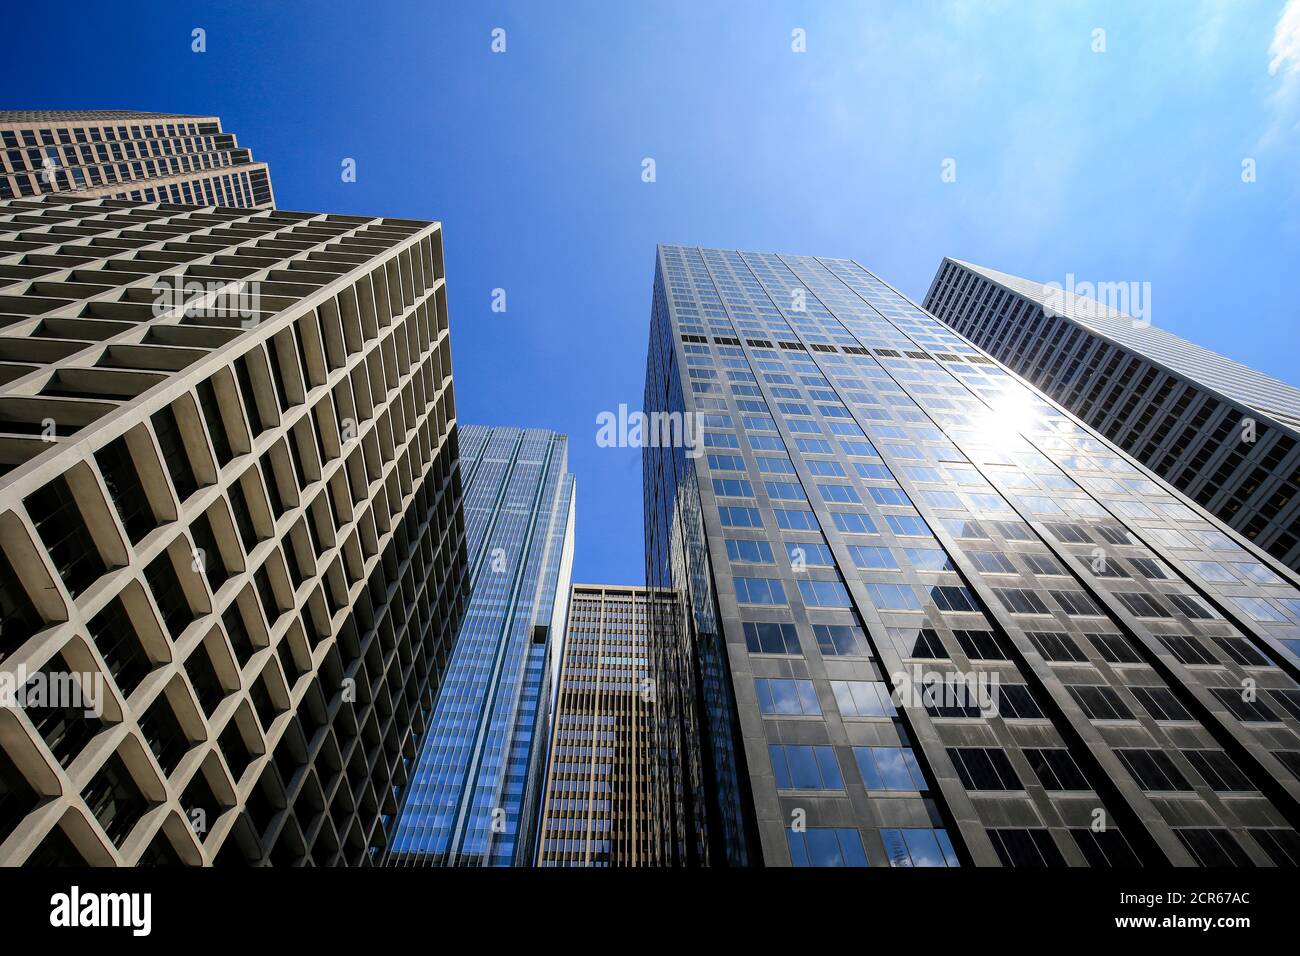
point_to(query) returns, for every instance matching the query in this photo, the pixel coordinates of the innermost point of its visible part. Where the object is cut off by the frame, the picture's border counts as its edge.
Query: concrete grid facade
(1225, 435)
(881, 515)
(600, 781)
(122, 154)
(242, 524)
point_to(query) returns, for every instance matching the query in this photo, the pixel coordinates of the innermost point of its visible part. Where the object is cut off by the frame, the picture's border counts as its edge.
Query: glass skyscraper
(925, 617)
(473, 797)
(1225, 435)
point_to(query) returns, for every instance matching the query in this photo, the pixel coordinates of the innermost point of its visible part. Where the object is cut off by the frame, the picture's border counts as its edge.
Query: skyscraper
(1225, 435)
(232, 556)
(600, 781)
(122, 154)
(927, 618)
(475, 790)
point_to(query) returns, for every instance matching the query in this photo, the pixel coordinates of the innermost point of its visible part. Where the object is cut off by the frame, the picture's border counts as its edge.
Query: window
(872, 558)
(983, 768)
(1235, 699)
(1153, 769)
(893, 597)
(839, 494)
(1068, 533)
(168, 594)
(929, 559)
(862, 698)
(1219, 771)
(826, 846)
(1258, 609)
(917, 846)
(889, 496)
(1161, 703)
(1213, 847)
(1026, 848)
(1057, 647)
(727, 463)
(985, 645)
(123, 481)
(824, 594)
(1191, 606)
(783, 697)
(1076, 603)
(826, 469)
(63, 531)
(1141, 605)
(1212, 571)
(1014, 530)
(907, 525)
(1149, 568)
(1282, 846)
(1288, 699)
(784, 490)
(735, 487)
(740, 518)
(115, 800)
(1021, 601)
(1241, 651)
(992, 562)
(853, 523)
(1105, 848)
(948, 597)
(175, 457)
(803, 554)
(805, 768)
(1015, 702)
(1186, 648)
(841, 640)
(889, 768)
(1056, 769)
(769, 638)
(754, 552)
(796, 520)
(1099, 702)
(1114, 648)
(922, 643)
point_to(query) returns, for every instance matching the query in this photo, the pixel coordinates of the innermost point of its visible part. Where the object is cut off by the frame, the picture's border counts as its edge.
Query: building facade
(476, 787)
(232, 555)
(600, 787)
(122, 154)
(1225, 435)
(926, 617)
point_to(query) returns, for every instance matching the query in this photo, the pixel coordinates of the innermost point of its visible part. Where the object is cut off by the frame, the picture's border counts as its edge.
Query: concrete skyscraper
(1225, 435)
(927, 617)
(477, 784)
(600, 782)
(122, 154)
(232, 554)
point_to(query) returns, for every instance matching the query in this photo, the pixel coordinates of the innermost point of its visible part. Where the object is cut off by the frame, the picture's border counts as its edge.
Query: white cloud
(1285, 48)
(1285, 66)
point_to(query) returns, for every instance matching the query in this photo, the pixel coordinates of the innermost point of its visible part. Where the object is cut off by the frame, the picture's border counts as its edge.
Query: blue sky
(1123, 165)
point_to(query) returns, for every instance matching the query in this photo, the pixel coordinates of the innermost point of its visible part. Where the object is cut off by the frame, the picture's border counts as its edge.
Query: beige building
(122, 154)
(232, 555)
(599, 783)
